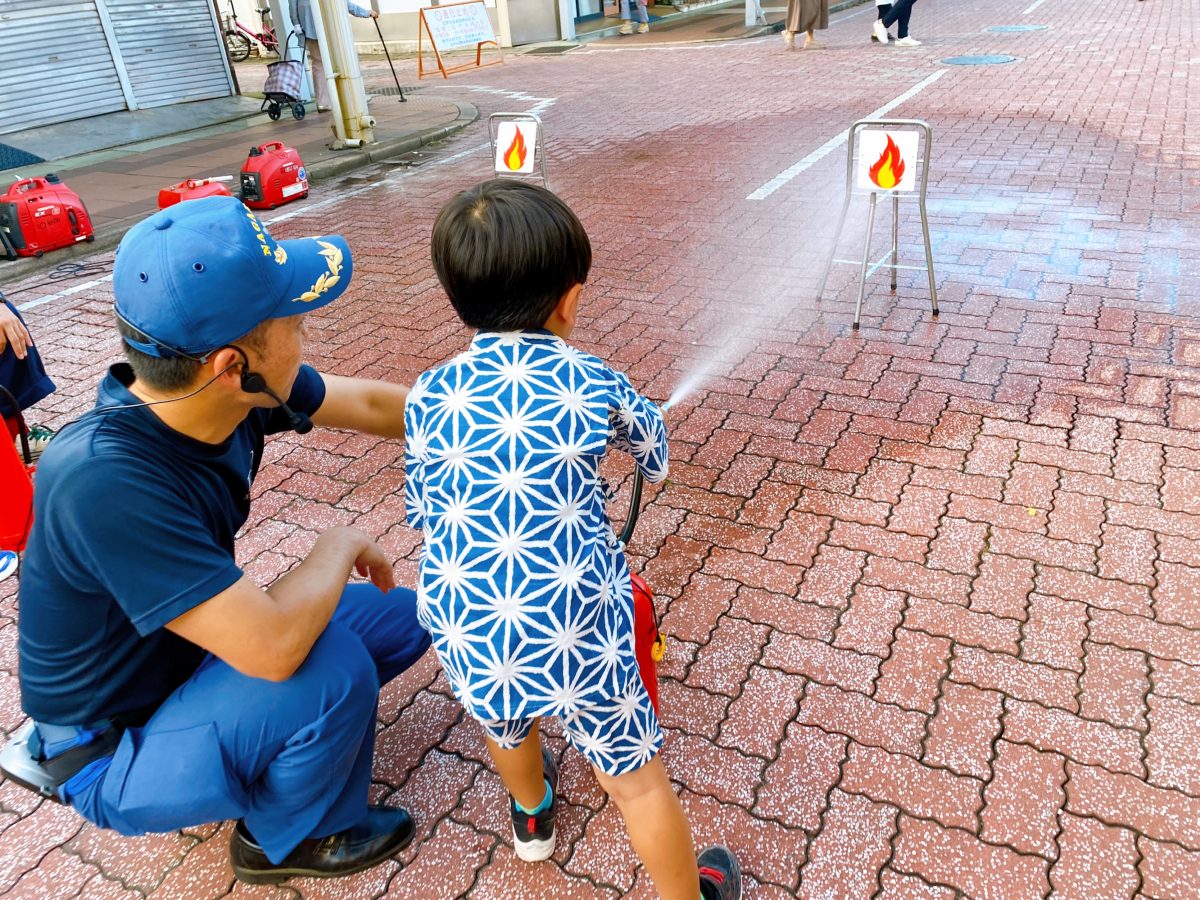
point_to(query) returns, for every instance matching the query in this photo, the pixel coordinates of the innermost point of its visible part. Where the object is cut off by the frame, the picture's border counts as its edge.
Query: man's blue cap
(202, 273)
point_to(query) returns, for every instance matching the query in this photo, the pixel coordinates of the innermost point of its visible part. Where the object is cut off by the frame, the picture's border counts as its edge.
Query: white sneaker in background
(908, 42)
(881, 33)
(8, 563)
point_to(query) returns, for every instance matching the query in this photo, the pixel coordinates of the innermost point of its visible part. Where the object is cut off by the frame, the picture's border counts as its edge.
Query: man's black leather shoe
(385, 831)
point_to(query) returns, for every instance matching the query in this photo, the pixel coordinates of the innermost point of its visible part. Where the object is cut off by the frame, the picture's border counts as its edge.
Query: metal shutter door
(171, 51)
(55, 64)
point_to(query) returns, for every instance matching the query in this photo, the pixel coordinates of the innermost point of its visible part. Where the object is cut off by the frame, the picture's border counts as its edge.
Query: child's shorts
(618, 735)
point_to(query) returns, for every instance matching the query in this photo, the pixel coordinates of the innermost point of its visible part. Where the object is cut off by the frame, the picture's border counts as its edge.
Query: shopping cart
(284, 79)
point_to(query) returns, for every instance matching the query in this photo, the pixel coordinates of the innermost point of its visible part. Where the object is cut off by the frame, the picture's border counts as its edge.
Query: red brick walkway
(931, 587)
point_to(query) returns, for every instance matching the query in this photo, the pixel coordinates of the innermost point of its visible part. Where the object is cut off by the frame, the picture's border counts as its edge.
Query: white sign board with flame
(887, 160)
(515, 146)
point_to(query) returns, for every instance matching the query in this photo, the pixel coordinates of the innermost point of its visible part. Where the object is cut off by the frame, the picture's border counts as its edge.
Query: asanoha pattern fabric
(616, 736)
(523, 586)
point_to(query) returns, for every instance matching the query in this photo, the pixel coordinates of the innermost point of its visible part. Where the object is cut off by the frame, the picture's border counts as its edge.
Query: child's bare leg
(657, 828)
(521, 768)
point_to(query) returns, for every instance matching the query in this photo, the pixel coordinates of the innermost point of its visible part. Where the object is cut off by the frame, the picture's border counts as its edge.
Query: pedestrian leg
(317, 68)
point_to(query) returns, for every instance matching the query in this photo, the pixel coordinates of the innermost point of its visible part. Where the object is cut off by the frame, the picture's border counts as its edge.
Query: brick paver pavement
(931, 587)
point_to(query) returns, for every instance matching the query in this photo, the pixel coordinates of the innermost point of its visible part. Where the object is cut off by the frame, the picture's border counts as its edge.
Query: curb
(108, 237)
(348, 160)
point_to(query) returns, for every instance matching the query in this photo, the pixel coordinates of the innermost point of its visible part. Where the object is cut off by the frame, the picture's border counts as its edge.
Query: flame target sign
(887, 160)
(515, 147)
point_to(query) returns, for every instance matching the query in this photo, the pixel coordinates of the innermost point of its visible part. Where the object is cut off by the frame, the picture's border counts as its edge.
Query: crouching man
(165, 688)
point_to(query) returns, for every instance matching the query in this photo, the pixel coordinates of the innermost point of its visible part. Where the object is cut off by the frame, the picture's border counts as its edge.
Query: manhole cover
(551, 49)
(1005, 29)
(985, 60)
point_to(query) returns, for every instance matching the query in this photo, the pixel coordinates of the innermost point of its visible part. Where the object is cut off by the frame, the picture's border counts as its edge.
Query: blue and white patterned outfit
(523, 586)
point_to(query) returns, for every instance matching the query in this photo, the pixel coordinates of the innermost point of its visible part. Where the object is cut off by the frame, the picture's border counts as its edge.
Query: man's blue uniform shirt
(134, 525)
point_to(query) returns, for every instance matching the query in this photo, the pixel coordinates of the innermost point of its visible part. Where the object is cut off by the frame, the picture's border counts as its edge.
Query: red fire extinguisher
(649, 644)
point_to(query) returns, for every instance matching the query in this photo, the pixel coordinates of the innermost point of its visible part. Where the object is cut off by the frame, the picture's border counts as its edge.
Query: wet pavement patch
(994, 59)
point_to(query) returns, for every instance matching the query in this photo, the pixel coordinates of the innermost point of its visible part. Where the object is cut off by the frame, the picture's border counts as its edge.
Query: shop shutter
(172, 52)
(55, 64)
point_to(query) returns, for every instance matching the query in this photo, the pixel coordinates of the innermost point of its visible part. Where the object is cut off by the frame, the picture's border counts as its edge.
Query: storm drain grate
(551, 50)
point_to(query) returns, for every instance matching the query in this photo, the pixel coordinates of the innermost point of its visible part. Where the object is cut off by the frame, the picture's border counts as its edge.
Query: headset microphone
(253, 383)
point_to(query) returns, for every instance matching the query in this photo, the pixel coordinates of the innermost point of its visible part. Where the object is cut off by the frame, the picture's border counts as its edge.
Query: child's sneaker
(533, 836)
(720, 874)
(8, 563)
(644, 28)
(39, 437)
(627, 28)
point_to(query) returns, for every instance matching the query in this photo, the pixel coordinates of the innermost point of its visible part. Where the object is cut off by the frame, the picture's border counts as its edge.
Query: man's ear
(226, 364)
(568, 305)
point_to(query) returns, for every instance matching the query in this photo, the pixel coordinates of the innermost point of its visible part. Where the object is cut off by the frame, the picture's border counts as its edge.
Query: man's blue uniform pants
(292, 758)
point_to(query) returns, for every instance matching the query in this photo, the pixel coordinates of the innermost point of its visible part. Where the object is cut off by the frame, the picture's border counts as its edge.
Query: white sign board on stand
(458, 25)
(452, 27)
(412, 6)
(887, 160)
(516, 147)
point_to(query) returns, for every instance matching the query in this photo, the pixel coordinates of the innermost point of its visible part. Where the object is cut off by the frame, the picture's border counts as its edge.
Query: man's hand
(13, 332)
(372, 564)
(268, 634)
(374, 14)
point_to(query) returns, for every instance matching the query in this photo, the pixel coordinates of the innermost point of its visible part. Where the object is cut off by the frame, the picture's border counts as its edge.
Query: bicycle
(238, 37)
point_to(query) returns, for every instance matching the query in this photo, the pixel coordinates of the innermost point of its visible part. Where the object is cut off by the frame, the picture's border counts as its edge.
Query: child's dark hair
(506, 251)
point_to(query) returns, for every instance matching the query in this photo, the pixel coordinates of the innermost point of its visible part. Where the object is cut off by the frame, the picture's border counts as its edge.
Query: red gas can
(273, 175)
(193, 189)
(41, 214)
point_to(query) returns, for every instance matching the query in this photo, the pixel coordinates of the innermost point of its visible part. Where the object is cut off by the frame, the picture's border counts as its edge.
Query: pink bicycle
(238, 37)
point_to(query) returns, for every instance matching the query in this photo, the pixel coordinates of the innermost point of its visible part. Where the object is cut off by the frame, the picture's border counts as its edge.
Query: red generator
(193, 189)
(41, 214)
(273, 175)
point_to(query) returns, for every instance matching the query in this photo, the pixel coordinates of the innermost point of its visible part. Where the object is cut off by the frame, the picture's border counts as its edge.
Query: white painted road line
(74, 289)
(833, 143)
(1032, 8)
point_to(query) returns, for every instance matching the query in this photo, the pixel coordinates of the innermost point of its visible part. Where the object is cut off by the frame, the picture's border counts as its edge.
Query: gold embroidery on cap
(333, 259)
(280, 255)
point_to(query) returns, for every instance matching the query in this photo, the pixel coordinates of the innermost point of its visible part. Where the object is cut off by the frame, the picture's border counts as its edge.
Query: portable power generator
(194, 189)
(273, 175)
(38, 215)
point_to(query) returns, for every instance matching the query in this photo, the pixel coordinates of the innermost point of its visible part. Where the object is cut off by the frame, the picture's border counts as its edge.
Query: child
(523, 585)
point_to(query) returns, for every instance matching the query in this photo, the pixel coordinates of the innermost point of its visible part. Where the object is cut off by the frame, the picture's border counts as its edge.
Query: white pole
(347, 84)
(754, 14)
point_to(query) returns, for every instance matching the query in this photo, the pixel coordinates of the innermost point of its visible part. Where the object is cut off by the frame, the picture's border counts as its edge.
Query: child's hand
(372, 564)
